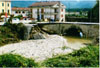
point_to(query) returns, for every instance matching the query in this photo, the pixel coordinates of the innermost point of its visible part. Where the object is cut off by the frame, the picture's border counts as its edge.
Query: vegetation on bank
(10, 33)
(85, 57)
(94, 13)
(11, 60)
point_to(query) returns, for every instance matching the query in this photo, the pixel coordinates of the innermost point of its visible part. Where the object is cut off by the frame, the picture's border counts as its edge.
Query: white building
(52, 10)
(20, 11)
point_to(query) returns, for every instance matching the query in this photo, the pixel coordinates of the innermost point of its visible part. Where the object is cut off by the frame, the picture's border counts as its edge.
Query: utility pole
(60, 17)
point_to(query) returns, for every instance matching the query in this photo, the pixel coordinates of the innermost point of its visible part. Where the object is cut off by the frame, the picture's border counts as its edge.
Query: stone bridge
(88, 29)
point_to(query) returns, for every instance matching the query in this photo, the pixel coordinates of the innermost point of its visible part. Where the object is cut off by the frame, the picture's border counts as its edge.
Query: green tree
(93, 14)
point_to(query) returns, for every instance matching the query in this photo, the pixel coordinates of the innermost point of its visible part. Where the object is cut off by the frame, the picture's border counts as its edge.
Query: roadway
(87, 23)
(90, 23)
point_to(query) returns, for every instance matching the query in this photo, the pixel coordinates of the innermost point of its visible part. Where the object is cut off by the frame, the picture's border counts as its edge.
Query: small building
(16, 11)
(49, 10)
(72, 13)
(84, 13)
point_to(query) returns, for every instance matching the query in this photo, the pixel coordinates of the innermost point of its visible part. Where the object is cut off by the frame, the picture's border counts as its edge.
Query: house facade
(5, 6)
(52, 10)
(20, 11)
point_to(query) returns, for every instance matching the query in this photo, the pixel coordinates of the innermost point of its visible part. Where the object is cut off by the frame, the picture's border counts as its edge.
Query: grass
(85, 57)
(11, 60)
(64, 47)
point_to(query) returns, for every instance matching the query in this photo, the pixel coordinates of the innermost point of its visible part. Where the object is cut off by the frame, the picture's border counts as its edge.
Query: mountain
(22, 3)
(80, 4)
(68, 4)
(78, 9)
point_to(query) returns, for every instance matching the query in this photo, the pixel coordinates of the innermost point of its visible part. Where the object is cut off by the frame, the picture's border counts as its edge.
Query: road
(89, 23)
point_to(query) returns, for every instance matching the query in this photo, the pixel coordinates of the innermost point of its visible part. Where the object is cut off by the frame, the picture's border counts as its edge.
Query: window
(42, 10)
(16, 11)
(8, 4)
(2, 4)
(23, 12)
(55, 10)
(2, 10)
(8, 11)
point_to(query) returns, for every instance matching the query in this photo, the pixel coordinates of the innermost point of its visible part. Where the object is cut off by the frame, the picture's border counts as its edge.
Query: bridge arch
(73, 30)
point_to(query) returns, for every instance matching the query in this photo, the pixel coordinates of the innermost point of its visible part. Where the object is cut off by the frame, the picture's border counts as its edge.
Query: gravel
(39, 49)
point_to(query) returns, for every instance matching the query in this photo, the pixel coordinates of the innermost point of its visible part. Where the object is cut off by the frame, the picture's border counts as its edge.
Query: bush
(10, 33)
(85, 57)
(18, 29)
(7, 36)
(21, 30)
(11, 60)
(19, 16)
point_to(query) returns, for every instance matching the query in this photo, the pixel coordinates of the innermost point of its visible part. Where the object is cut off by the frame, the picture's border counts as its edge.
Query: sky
(67, 3)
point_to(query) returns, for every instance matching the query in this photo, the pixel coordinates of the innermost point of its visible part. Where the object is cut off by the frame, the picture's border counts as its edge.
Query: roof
(23, 9)
(48, 3)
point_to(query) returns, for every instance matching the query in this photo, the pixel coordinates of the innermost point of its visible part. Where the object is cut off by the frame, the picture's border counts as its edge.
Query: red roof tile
(24, 9)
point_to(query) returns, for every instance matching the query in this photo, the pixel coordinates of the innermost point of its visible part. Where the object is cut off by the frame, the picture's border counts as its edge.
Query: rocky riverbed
(41, 49)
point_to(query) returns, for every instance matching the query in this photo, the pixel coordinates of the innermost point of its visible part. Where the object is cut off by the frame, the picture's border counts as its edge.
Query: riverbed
(43, 48)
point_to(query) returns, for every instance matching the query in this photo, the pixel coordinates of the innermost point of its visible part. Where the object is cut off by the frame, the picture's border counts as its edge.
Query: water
(77, 39)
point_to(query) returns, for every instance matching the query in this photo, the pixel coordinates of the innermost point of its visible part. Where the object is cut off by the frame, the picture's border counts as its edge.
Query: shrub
(7, 36)
(21, 30)
(11, 60)
(19, 16)
(85, 57)
(12, 33)
(18, 29)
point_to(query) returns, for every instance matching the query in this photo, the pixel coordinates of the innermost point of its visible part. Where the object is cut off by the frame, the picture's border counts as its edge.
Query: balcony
(48, 13)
